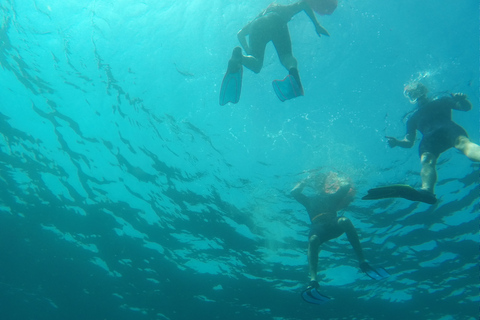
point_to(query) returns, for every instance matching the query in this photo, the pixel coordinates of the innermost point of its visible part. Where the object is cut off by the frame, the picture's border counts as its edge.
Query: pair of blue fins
(285, 89)
(312, 295)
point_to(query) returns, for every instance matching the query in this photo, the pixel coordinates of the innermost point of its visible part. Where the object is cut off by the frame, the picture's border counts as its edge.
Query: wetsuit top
(432, 116)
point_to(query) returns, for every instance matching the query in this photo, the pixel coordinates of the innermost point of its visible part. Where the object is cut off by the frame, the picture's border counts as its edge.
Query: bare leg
(313, 251)
(470, 149)
(257, 43)
(238, 59)
(428, 172)
(283, 46)
(252, 63)
(289, 61)
(352, 237)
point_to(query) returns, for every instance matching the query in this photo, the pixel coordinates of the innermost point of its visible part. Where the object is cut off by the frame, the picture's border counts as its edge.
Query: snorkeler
(332, 193)
(271, 25)
(433, 118)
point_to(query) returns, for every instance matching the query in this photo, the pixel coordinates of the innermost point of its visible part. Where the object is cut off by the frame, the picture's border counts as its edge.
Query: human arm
(242, 37)
(408, 141)
(318, 28)
(461, 102)
(296, 192)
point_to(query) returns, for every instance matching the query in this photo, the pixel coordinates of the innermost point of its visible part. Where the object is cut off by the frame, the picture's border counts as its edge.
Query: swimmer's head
(331, 182)
(323, 7)
(415, 91)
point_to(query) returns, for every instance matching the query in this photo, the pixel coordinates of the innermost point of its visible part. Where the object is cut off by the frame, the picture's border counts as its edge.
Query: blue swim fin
(287, 88)
(231, 87)
(374, 273)
(232, 81)
(311, 294)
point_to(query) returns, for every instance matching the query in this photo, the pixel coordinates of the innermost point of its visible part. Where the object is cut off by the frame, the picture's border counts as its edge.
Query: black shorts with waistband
(441, 139)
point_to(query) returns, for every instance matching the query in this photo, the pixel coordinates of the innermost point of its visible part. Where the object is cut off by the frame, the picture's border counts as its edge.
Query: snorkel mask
(415, 91)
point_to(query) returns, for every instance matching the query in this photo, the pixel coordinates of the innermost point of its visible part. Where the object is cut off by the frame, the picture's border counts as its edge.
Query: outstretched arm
(408, 141)
(296, 192)
(318, 28)
(461, 102)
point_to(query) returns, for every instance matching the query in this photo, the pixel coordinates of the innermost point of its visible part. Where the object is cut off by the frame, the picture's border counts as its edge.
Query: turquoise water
(127, 192)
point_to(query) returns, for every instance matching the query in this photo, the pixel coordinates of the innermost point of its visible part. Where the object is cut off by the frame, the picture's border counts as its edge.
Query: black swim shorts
(441, 139)
(326, 229)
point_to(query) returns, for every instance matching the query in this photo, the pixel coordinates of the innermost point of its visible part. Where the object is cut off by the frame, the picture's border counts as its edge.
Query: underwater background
(127, 192)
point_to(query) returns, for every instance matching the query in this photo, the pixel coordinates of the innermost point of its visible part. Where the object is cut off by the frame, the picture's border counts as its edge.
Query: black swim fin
(378, 273)
(311, 294)
(400, 191)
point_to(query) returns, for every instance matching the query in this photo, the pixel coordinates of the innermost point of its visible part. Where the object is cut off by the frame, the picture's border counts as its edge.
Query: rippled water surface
(127, 192)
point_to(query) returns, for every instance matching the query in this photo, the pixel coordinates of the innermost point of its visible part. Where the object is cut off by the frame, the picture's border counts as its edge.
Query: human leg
(313, 251)
(254, 62)
(288, 61)
(347, 226)
(468, 148)
(257, 41)
(320, 233)
(428, 172)
(349, 229)
(283, 46)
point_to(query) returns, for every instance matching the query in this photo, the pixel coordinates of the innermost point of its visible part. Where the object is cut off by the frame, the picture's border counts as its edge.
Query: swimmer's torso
(433, 115)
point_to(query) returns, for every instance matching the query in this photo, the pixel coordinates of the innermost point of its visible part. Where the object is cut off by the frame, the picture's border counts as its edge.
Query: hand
(321, 30)
(304, 182)
(299, 186)
(459, 96)
(392, 142)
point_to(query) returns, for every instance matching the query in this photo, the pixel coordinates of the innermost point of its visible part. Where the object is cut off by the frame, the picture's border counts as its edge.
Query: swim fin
(289, 87)
(311, 294)
(400, 191)
(374, 273)
(232, 81)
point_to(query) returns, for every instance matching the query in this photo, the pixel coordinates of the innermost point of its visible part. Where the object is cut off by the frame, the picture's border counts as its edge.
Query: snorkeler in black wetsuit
(333, 193)
(433, 119)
